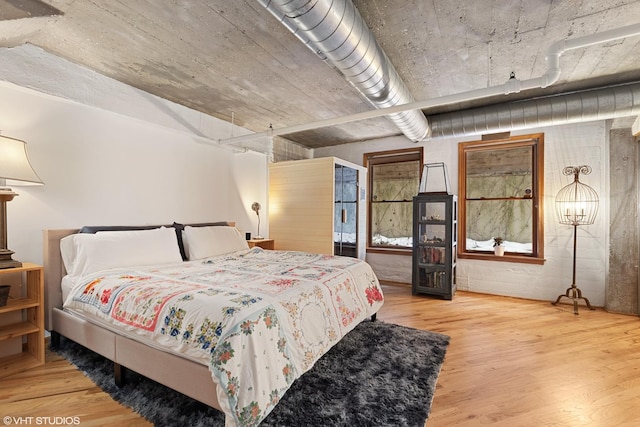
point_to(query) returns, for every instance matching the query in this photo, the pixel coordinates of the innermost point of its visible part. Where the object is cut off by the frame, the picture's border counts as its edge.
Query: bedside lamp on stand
(15, 169)
(256, 208)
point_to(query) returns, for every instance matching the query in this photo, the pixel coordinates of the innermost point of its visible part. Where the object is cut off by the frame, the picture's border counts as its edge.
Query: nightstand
(22, 320)
(268, 244)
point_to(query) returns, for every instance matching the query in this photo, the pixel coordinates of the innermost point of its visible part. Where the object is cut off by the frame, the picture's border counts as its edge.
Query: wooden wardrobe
(318, 205)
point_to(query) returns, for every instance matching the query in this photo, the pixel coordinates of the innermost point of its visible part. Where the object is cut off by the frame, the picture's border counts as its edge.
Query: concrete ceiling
(232, 58)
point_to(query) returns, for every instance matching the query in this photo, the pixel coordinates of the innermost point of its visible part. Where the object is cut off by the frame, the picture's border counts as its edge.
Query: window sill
(524, 259)
(390, 251)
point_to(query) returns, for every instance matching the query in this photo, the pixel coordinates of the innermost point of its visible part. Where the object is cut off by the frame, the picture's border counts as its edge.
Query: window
(394, 179)
(500, 195)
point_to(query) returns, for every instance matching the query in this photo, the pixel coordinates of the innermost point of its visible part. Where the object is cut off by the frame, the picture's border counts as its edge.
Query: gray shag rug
(380, 374)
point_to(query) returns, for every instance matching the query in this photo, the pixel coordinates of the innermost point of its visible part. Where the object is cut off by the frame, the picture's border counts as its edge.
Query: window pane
(395, 181)
(509, 219)
(501, 172)
(391, 224)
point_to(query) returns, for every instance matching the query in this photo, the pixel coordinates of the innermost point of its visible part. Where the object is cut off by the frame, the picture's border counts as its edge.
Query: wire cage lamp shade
(577, 203)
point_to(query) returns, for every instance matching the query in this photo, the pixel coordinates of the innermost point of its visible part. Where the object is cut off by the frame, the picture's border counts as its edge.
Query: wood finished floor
(511, 362)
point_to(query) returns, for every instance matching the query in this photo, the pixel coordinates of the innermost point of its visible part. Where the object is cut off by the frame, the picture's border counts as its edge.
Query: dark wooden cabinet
(435, 218)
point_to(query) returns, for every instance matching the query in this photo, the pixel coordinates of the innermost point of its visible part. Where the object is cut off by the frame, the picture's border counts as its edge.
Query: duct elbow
(551, 76)
(553, 63)
(413, 124)
(556, 49)
(425, 135)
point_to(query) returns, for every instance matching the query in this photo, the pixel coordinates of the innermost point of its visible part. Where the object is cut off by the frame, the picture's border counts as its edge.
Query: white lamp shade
(15, 167)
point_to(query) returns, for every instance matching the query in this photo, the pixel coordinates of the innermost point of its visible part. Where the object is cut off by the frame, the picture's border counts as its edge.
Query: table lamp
(15, 169)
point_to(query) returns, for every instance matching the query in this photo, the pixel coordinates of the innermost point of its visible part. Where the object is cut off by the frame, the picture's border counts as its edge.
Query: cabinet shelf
(19, 304)
(433, 267)
(14, 330)
(29, 330)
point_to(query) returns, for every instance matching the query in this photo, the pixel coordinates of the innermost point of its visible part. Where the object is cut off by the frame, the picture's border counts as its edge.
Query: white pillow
(87, 253)
(68, 251)
(205, 242)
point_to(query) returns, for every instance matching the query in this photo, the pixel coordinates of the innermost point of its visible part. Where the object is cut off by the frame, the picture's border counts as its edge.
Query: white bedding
(67, 285)
(259, 319)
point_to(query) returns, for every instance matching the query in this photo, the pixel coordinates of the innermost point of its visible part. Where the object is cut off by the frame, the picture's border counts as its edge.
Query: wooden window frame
(382, 157)
(536, 141)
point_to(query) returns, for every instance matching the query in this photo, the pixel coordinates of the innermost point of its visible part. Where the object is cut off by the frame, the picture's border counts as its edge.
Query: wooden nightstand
(263, 243)
(21, 318)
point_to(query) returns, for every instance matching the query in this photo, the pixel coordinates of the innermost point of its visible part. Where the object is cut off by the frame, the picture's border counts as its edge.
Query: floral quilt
(259, 319)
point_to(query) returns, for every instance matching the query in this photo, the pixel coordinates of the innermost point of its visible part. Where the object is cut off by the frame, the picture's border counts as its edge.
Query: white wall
(569, 145)
(101, 167)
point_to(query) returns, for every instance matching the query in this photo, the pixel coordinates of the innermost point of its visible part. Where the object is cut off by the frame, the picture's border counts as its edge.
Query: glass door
(345, 217)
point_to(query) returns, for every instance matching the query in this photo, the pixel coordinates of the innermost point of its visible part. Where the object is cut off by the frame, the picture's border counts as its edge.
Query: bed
(194, 308)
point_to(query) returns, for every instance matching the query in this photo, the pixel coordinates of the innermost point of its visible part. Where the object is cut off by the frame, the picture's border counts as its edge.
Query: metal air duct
(513, 85)
(334, 30)
(576, 107)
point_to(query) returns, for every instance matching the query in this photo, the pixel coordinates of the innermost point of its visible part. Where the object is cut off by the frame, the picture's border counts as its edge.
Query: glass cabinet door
(433, 211)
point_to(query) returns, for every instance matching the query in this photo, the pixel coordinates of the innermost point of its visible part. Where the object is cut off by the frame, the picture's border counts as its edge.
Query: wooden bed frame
(183, 375)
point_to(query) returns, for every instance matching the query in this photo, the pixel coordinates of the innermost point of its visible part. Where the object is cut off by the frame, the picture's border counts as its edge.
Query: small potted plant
(498, 249)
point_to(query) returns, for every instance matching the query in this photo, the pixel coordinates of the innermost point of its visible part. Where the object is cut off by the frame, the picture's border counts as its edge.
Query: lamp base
(258, 238)
(575, 294)
(6, 261)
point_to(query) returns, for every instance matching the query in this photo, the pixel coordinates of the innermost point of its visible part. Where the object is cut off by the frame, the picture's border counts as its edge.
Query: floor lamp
(576, 204)
(15, 169)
